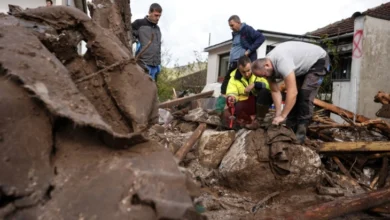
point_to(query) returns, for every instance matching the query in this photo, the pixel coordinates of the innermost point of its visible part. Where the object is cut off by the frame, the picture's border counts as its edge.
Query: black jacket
(142, 31)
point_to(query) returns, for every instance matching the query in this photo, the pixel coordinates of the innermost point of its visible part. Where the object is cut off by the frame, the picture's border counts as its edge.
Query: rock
(213, 146)
(246, 169)
(200, 115)
(240, 167)
(185, 127)
(25, 148)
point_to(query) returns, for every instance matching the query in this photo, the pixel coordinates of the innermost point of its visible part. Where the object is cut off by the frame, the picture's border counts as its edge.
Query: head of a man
(262, 67)
(49, 3)
(155, 11)
(244, 66)
(235, 23)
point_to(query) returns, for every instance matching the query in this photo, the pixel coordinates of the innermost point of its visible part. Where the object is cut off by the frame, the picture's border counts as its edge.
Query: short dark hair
(235, 18)
(51, 2)
(243, 61)
(259, 64)
(155, 7)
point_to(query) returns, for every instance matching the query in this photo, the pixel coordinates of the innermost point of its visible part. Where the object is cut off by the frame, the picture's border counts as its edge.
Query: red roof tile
(347, 25)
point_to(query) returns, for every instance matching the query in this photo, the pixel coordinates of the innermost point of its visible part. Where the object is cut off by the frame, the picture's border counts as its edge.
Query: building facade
(218, 54)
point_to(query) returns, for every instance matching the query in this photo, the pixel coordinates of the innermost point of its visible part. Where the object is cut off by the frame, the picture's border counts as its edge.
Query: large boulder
(213, 146)
(249, 165)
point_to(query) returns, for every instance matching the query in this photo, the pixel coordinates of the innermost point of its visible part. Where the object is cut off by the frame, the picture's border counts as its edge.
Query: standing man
(49, 3)
(143, 30)
(246, 40)
(302, 66)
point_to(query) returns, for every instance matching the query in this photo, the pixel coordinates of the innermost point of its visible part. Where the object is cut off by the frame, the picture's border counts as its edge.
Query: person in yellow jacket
(250, 95)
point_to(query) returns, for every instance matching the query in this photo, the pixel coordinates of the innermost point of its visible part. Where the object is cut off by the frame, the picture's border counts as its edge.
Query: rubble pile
(84, 137)
(263, 174)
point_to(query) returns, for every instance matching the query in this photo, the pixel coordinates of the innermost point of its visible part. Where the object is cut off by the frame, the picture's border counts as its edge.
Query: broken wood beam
(354, 146)
(384, 127)
(383, 172)
(342, 167)
(179, 101)
(378, 155)
(182, 152)
(382, 97)
(343, 206)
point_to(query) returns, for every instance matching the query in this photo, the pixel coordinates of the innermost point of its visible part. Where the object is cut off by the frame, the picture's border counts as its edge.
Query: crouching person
(248, 97)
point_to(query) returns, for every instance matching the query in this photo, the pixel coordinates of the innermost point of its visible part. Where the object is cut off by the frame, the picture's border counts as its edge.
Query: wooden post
(342, 167)
(343, 206)
(182, 152)
(179, 101)
(354, 146)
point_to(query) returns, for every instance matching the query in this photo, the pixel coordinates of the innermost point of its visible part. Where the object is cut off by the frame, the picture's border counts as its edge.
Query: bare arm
(292, 92)
(276, 97)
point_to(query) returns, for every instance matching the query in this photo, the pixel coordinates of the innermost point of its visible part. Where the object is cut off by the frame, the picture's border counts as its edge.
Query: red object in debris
(230, 104)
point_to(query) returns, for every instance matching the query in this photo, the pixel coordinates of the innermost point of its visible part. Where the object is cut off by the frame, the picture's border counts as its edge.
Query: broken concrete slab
(213, 146)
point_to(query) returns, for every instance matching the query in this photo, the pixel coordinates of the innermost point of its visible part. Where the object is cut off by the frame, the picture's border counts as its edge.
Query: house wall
(375, 64)
(213, 62)
(213, 57)
(345, 94)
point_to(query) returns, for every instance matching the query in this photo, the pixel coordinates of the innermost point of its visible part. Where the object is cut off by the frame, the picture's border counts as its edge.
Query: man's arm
(135, 26)
(258, 39)
(276, 97)
(292, 92)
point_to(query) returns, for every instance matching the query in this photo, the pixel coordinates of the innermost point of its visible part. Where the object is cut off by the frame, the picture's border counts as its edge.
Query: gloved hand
(231, 100)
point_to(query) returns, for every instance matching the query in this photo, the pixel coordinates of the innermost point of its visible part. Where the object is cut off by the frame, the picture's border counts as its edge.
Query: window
(343, 69)
(223, 65)
(269, 48)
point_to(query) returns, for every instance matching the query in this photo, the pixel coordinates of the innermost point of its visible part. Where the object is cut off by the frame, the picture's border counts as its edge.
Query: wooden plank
(354, 146)
(182, 152)
(179, 101)
(342, 206)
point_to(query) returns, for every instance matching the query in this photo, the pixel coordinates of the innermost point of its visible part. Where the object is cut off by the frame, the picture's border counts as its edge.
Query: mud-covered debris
(200, 115)
(246, 168)
(213, 146)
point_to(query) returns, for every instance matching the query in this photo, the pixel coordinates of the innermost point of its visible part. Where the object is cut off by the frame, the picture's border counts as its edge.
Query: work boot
(291, 124)
(301, 132)
(261, 111)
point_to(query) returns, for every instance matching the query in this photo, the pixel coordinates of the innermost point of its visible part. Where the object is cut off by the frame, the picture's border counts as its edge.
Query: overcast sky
(186, 24)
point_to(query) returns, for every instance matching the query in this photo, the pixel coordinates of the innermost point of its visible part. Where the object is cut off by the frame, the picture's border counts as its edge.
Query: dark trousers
(308, 86)
(232, 66)
(264, 97)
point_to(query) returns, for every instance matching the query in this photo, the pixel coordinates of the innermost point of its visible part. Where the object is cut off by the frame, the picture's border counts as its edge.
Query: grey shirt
(294, 56)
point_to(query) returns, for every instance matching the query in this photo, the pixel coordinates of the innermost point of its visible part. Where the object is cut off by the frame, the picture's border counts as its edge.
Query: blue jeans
(153, 71)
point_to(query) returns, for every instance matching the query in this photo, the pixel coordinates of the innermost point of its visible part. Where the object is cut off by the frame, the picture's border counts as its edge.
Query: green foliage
(327, 84)
(168, 77)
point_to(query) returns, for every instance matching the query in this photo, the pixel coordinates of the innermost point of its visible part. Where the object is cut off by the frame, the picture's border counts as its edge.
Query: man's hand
(247, 53)
(249, 88)
(277, 120)
(231, 100)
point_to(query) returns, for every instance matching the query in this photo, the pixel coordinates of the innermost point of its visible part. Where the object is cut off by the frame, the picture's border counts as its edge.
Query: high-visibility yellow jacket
(238, 83)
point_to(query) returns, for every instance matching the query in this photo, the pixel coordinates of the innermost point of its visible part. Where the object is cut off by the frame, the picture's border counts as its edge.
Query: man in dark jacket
(246, 41)
(143, 30)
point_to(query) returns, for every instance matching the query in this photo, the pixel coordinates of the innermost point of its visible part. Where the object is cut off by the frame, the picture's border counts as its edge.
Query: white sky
(185, 24)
